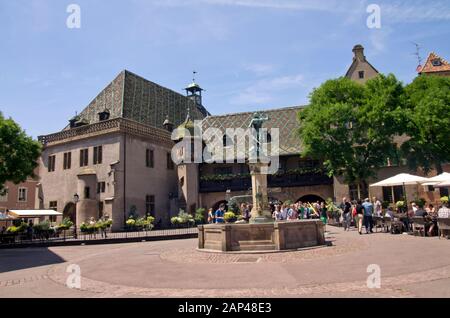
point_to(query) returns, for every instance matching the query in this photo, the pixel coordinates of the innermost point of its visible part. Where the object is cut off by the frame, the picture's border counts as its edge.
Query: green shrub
(22, 228)
(444, 200)
(200, 216)
(230, 217)
(420, 202)
(175, 220)
(65, 224)
(88, 228)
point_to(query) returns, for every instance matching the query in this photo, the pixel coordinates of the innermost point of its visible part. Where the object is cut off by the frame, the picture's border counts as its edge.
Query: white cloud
(261, 91)
(259, 69)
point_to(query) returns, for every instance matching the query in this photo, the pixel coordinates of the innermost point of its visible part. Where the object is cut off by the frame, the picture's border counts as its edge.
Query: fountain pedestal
(261, 210)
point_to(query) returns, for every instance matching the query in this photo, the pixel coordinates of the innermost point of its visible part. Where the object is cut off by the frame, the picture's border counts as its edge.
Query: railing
(73, 236)
(274, 181)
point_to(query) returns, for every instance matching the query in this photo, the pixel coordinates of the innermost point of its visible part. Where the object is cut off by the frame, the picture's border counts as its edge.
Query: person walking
(368, 212)
(346, 208)
(378, 207)
(359, 209)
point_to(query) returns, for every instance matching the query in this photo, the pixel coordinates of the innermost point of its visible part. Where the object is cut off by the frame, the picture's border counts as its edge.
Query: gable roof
(285, 119)
(428, 67)
(133, 97)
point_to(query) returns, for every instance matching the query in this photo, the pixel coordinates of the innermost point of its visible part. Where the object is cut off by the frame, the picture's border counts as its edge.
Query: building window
(393, 194)
(84, 157)
(22, 197)
(101, 187)
(150, 205)
(436, 62)
(87, 192)
(53, 205)
(4, 195)
(67, 160)
(361, 74)
(149, 158)
(100, 209)
(357, 192)
(51, 163)
(98, 154)
(170, 164)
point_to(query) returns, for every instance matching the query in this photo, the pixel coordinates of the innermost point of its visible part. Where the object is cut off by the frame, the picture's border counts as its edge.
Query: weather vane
(193, 76)
(417, 53)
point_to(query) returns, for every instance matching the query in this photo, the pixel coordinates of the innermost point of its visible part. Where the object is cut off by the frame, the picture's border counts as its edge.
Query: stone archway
(310, 198)
(70, 212)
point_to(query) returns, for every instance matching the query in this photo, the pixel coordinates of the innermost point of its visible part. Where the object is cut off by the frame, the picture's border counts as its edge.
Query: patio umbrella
(402, 179)
(437, 180)
(444, 184)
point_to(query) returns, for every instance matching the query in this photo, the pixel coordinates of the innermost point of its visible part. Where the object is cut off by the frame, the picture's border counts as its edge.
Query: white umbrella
(400, 179)
(445, 184)
(442, 178)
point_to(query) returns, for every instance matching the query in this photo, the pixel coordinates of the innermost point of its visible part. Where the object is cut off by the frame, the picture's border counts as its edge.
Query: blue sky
(249, 54)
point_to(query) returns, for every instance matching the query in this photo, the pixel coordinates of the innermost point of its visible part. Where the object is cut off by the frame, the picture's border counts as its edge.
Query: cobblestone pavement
(410, 267)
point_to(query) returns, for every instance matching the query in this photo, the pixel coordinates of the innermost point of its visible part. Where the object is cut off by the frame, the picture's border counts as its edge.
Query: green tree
(18, 153)
(350, 126)
(428, 123)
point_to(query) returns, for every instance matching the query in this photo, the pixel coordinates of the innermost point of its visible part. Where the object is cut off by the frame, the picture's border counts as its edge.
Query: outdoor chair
(377, 222)
(419, 225)
(387, 223)
(444, 226)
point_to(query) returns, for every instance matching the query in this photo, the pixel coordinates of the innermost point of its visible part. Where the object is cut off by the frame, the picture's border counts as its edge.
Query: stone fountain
(261, 234)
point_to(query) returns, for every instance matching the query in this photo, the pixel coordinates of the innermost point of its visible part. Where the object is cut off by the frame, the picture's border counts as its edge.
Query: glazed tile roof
(133, 97)
(428, 67)
(285, 119)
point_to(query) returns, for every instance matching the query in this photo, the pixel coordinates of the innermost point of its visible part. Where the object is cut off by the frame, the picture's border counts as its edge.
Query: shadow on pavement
(16, 259)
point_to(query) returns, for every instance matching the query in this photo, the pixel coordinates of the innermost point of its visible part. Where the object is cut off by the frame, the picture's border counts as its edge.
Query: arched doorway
(310, 198)
(70, 211)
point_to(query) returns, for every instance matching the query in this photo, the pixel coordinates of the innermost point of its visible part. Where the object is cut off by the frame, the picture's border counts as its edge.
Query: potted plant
(230, 217)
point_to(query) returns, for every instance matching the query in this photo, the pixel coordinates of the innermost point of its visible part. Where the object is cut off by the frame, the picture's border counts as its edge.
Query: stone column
(261, 209)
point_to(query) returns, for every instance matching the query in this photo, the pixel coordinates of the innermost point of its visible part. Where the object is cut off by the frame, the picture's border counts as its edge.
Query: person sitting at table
(432, 218)
(420, 212)
(444, 213)
(389, 213)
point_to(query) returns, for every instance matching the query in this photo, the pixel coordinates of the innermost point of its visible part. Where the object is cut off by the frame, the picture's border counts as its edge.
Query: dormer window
(436, 62)
(361, 74)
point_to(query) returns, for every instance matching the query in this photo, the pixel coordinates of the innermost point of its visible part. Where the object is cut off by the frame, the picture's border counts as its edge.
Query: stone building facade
(114, 158)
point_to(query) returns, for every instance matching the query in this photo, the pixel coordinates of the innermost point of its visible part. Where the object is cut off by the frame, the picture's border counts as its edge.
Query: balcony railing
(274, 181)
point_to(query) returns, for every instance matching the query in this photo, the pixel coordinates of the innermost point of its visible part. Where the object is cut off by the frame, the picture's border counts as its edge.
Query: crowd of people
(359, 213)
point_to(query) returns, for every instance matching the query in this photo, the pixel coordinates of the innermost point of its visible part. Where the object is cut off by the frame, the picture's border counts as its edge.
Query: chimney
(358, 50)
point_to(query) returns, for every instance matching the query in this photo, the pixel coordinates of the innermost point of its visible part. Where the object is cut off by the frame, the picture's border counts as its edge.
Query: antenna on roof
(193, 76)
(417, 53)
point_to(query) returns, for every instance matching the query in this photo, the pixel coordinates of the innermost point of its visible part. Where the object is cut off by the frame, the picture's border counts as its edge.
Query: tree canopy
(427, 123)
(351, 126)
(18, 153)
